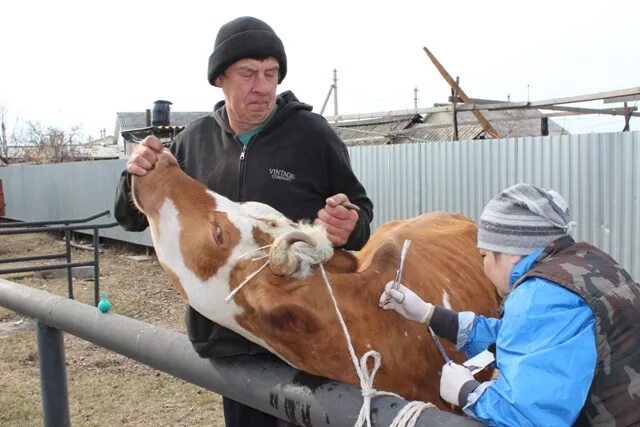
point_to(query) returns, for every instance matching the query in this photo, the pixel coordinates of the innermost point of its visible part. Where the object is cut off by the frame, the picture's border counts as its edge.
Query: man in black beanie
(257, 146)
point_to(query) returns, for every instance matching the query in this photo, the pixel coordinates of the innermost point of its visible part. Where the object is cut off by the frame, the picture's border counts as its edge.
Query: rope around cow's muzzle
(252, 275)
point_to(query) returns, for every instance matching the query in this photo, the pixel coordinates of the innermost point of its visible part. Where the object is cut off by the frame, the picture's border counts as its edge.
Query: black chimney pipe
(544, 126)
(161, 113)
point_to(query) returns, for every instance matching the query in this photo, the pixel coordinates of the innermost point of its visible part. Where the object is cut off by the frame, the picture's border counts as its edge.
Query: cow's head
(208, 244)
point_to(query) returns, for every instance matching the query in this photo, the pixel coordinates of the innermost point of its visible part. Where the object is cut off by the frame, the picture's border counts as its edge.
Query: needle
(439, 346)
(403, 256)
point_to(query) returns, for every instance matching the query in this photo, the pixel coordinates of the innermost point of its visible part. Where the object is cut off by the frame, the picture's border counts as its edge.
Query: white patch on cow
(406, 334)
(206, 297)
(445, 300)
(260, 210)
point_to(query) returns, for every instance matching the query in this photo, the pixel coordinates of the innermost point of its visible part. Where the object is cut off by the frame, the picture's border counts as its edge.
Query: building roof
(403, 128)
(374, 129)
(138, 120)
(129, 121)
(102, 148)
(390, 128)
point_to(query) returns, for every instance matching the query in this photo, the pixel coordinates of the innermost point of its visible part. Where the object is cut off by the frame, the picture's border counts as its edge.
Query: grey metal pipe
(47, 267)
(59, 221)
(33, 258)
(258, 381)
(53, 377)
(48, 229)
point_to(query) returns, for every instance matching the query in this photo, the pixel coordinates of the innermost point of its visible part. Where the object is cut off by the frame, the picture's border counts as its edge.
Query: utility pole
(627, 117)
(333, 88)
(415, 98)
(335, 92)
(454, 112)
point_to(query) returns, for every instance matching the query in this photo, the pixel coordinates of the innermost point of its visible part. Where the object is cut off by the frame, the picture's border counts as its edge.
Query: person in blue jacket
(568, 344)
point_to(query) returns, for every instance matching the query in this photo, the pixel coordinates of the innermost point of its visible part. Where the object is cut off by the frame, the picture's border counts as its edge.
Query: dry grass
(105, 388)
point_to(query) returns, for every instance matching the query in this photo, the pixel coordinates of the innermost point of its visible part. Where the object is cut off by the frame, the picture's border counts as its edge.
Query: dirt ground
(104, 388)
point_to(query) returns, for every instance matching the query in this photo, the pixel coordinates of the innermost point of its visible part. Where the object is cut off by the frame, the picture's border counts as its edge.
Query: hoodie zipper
(241, 172)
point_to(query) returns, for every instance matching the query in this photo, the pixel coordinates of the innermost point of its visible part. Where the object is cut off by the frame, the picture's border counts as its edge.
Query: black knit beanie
(245, 37)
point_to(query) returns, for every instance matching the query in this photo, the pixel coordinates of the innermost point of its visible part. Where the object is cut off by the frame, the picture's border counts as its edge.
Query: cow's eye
(217, 234)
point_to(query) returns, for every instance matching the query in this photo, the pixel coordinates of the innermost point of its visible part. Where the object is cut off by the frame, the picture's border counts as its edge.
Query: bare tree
(49, 144)
(4, 139)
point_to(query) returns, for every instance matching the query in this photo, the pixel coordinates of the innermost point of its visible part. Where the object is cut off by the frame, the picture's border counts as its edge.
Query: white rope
(252, 275)
(408, 416)
(249, 277)
(253, 250)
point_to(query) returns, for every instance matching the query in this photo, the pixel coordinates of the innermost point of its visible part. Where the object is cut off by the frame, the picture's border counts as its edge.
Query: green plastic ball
(104, 305)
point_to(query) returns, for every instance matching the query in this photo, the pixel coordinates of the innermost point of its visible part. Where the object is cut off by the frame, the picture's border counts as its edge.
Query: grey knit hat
(521, 219)
(245, 37)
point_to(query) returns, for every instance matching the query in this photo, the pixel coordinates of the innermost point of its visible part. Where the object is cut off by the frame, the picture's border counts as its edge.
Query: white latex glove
(453, 377)
(405, 302)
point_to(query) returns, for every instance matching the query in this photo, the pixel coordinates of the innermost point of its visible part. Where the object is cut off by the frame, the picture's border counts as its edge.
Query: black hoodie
(293, 164)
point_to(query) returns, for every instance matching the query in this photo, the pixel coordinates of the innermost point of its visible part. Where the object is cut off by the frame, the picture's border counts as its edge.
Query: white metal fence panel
(66, 191)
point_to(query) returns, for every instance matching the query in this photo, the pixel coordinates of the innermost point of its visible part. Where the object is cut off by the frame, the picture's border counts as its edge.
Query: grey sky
(79, 62)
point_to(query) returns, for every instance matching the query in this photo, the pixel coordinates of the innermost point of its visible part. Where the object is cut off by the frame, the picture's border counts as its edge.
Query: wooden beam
(581, 110)
(497, 105)
(478, 115)
(622, 99)
(555, 101)
(619, 111)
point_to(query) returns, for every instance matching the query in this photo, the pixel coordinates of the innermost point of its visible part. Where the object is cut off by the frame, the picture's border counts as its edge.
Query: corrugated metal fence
(66, 191)
(597, 173)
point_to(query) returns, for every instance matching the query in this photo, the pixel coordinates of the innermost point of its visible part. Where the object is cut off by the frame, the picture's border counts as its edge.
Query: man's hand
(144, 156)
(453, 378)
(339, 218)
(406, 302)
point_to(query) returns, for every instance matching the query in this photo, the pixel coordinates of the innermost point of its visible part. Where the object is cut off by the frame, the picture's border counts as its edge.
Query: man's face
(249, 87)
(497, 267)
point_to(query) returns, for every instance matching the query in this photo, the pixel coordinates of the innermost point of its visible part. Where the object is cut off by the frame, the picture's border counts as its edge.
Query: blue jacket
(545, 351)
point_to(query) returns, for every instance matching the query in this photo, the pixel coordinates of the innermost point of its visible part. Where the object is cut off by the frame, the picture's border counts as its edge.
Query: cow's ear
(342, 262)
(292, 318)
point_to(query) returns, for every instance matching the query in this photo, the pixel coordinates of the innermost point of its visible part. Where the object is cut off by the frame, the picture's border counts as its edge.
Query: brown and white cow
(204, 242)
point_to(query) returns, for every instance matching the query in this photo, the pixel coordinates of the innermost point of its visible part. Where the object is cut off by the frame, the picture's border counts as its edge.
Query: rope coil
(408, 416)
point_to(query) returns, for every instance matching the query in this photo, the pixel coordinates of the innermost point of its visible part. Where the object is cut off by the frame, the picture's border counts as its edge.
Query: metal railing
(258, 381)
(68, 226)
